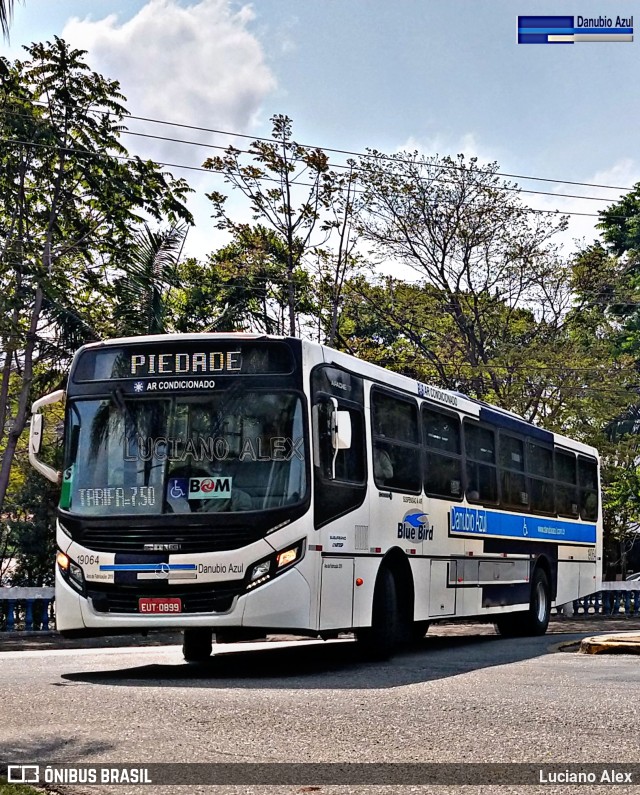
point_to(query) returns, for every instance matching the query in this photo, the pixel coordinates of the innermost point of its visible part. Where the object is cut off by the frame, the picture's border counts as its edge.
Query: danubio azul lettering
(594, 22)
(477, 521)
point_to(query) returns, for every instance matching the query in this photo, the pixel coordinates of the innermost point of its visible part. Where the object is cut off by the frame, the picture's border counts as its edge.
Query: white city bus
(237, 484)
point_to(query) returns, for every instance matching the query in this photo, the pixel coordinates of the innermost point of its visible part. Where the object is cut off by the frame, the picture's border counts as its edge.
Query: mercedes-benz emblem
(162, 571)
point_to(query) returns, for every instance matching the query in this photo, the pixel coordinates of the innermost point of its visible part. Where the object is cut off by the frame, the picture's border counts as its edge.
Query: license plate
(159, 605)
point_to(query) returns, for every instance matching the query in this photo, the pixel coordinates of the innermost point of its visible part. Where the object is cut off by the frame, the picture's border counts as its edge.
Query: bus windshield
(233, 451)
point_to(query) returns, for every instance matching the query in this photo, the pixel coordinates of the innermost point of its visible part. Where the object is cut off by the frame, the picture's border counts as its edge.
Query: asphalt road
(462, 698)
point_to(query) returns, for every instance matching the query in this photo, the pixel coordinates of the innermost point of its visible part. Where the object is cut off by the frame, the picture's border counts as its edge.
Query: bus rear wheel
(536, 619)
(418, 630)
(197, 645)
(379, 641)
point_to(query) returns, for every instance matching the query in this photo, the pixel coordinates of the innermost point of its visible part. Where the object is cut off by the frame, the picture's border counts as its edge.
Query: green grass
(17, 789)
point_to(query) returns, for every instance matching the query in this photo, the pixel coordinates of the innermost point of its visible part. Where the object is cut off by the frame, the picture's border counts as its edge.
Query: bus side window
(480, 453)
(540, 477)
(396, 442)
(588, 485)
(350, 461)
(513, 486)
(443, 470)
(566, 484)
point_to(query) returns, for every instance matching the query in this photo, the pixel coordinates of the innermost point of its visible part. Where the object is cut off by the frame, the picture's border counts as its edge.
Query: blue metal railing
(610, 602)
(29, 609)
(33, 609)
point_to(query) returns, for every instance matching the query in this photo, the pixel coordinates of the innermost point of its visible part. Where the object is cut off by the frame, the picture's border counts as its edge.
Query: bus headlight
(275, 564)
(259, 570)
(287, 557)
(71, 571)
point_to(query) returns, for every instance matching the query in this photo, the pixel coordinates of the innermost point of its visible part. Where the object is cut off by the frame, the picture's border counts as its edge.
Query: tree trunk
(23, 399)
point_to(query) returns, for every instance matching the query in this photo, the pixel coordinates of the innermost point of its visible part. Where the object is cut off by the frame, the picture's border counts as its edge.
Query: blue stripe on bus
(148, 566)
(479, 522)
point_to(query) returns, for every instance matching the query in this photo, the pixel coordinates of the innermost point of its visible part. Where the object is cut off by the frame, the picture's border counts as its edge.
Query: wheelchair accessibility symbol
(177, 489)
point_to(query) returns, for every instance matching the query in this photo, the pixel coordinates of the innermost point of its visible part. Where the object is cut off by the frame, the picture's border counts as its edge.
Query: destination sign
(185, 363)
(153, 361)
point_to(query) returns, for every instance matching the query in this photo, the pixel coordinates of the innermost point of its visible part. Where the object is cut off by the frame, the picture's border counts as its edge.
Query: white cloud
(197, 64)
(624, 173)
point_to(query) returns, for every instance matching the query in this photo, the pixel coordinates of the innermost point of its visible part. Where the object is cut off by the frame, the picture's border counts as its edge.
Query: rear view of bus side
(236, 485)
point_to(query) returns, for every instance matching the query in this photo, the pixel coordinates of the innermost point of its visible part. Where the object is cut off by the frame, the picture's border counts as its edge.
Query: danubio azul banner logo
(568, 30)
(480, 522)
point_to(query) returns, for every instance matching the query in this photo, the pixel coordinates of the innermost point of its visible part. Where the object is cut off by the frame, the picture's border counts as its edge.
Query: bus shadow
(330, 665)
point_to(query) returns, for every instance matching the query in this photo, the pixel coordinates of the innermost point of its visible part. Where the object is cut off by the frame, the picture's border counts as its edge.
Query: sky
(440, 76)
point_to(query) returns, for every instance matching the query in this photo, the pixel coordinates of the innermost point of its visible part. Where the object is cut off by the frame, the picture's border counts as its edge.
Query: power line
(166, 164)
(379, 156)
(366, 155)
(437, 180)
(513, 189)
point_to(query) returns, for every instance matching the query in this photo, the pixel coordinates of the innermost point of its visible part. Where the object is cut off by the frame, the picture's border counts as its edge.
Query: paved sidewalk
(619, 643)
(622, 630)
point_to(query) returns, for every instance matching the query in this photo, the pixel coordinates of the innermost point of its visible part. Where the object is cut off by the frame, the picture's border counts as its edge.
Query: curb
(611, 644)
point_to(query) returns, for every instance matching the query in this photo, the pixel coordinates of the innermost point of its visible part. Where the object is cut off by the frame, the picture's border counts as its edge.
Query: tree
(606, 280)
(142, 292)
(273, 188)
(70, 199)
(342, 261)
(242, 286)
(32, 531)
(490, 311)
(6, 12)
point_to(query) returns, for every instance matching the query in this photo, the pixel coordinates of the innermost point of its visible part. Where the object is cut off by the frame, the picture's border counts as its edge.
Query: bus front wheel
(536, 619)
(197, 644)
(379, 641)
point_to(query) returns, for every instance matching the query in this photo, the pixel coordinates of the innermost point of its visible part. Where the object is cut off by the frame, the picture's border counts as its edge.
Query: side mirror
(342, 431)
(36, 432)
(331, 433)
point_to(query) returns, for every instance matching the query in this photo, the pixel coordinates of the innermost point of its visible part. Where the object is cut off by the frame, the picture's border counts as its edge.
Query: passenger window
(540, 460)
(441, 431)
(511, 453)
(588, 483)
(396, 443)
(479, 443)
(482, 483)
(443, 469)
(566, 479)
(541, 485)
(513, 486)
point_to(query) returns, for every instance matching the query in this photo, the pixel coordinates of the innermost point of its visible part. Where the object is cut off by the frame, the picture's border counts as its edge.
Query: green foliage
(32, 531)
(71, 201)
(287, 191)
(620, 226)
(17, 789)
(606, 280)
(242, 286)
(142, 292)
